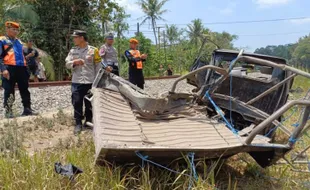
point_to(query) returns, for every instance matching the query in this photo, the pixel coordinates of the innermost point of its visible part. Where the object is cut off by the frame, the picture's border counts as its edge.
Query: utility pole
(158, 28)
(138, 29)
(165, 48)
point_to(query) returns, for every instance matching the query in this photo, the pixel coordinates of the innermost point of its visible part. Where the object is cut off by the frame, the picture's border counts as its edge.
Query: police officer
(109, 54)
(84, 61)
(14, 70)
(135, 60)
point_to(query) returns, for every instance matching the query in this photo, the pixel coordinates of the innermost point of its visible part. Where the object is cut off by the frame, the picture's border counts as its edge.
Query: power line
(273, 34)
(248, 21)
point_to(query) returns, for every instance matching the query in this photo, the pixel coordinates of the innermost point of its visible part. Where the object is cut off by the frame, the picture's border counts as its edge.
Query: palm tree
(173, 33)
(120, 26)
(195, 30)
(153, 10)
(22, 13)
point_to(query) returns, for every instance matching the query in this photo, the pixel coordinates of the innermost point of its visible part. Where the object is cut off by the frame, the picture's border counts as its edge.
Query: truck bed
(119, 132)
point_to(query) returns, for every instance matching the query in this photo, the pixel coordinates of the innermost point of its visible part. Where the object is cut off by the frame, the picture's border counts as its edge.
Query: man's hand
(109, 69)
(143, 56)
(6, 74)
(30, 55)
(78, 62)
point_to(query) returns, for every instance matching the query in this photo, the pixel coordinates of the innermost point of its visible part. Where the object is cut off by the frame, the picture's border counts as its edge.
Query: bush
(48, 63)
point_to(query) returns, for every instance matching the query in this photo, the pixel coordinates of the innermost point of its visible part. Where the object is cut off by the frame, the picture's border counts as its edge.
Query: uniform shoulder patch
(91, 50)
(74, 49)
(92, 47)
(102, 50)
(3, 38)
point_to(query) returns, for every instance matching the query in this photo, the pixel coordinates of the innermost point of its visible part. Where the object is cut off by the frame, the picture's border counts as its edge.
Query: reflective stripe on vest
(136, 54)
(15, 55)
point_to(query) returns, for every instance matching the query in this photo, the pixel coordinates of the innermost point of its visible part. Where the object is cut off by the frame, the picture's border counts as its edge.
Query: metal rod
(302, 171)
(284, 129)
(273, 117)
(218, 69)
(296, 162)
(301, 162)
(288, 162)
(299, 129)
(257, 61)
(223, 78)
(302, 152)
(89, 99)
(271, 89)
(272, 64)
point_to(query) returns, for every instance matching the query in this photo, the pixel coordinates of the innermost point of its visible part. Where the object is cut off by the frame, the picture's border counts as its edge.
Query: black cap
(79, 33)
(109, 36)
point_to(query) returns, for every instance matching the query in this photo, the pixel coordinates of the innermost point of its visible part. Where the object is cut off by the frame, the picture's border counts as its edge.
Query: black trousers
(138, 84)
(136, 77)
(79, 91)
(19, 75)
(115, 70)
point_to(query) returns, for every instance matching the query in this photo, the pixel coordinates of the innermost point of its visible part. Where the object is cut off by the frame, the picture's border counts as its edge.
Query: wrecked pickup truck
(237, 107)
(247, 83)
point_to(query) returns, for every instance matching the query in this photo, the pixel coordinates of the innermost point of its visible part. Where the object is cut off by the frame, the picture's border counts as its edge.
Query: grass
(19, 170)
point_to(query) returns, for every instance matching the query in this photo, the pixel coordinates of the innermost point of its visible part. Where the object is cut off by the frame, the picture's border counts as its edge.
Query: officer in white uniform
(84, 62)
(109, 54)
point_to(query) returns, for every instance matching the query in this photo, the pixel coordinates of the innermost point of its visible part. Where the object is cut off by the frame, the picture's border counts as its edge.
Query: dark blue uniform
(135, 75)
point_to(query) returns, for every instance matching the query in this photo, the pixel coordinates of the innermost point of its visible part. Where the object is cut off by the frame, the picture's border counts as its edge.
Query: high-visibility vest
(136, 54)
(15, 55)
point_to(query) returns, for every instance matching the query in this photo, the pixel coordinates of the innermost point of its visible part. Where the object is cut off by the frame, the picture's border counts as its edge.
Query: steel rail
(65, 83)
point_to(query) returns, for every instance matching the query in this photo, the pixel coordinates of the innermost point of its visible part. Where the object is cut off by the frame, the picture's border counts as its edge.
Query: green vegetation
(52, 22)
(297, 54)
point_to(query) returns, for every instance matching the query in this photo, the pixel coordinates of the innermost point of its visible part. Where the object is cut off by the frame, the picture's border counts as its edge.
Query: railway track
(64, 83)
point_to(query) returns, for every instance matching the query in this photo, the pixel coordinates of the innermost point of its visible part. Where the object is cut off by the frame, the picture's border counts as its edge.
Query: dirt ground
(42, 132)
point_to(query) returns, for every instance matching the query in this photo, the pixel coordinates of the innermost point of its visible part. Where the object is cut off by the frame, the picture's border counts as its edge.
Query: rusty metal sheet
(118, 132)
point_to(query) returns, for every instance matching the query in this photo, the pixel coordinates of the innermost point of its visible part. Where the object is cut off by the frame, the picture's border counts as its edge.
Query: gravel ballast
(46, 99)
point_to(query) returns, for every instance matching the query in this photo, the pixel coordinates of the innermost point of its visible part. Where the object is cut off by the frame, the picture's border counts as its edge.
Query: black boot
(78, 128)
(28, 112)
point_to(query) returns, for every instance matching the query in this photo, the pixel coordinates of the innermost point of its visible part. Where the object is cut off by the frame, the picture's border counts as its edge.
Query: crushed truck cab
(232, 110)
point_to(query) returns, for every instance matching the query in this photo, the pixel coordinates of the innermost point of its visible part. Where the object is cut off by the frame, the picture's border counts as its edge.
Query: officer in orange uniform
(14, 70)
(135, 60)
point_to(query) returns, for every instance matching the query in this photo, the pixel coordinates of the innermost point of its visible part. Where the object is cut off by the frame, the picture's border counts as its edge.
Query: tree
(195, 30)
(57, 21)
(101, 10)
(284, 51)
(18, 11)
(22, 13)
(302, 53)
(173, 34)
(224, 40)
(153, 10)
(120, 26)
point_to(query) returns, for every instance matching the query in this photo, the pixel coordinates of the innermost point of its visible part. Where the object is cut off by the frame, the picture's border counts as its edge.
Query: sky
(251, 35)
